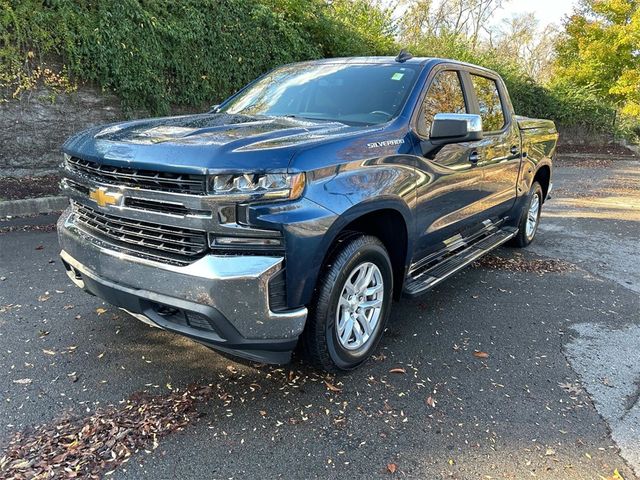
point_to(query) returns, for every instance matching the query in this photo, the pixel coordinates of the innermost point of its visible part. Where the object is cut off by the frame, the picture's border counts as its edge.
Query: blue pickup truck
(294, 213)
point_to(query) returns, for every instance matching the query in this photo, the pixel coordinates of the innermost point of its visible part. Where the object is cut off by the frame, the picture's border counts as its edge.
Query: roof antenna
(403, 56)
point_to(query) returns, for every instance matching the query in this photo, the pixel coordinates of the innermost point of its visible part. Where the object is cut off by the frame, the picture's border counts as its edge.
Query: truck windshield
(347, 93)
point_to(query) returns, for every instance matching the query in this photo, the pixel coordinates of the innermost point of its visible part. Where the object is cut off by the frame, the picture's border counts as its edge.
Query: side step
(424, 279)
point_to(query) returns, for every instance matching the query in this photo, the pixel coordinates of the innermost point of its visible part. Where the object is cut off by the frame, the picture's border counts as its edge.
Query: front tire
(529, 217)
(351, 305)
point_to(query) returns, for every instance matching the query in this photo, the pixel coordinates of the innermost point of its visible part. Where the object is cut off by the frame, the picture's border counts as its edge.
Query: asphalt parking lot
(518, 367)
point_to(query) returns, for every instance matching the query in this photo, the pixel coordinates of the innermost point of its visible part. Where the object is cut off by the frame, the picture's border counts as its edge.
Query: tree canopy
(601, 50)
(162, 54)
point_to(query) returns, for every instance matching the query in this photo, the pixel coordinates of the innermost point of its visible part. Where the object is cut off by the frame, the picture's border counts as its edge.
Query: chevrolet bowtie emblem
(104, 198)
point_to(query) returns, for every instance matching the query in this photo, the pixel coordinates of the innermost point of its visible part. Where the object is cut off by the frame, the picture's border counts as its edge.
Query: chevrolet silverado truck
(296, 212)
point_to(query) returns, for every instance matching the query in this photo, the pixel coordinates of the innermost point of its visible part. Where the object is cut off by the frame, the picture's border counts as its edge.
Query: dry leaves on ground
(570, 388)
(91, 446)
(28, 228)
(331, 387)
(616, 476)
(585, 162)
(23, 381)
(481, 354)
(518, 263)
(397, 370)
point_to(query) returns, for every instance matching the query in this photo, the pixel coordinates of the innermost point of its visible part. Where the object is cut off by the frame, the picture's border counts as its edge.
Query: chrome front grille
(162, 243)
(192, 184)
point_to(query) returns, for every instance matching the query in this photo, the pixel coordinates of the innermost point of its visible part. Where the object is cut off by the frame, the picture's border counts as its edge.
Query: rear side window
(444, 96)
(491, 109)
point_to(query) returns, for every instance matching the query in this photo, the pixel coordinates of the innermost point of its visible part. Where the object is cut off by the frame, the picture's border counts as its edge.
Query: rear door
(449, 193)
(499, 151)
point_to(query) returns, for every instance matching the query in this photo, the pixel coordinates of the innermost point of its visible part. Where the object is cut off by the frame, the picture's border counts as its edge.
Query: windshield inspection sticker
(397, 76)
(386, 143)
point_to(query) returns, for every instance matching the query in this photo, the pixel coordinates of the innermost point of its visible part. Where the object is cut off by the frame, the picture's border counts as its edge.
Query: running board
(425, 279)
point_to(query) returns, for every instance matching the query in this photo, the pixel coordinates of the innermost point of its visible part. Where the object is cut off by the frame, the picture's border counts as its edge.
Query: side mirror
(455, 127)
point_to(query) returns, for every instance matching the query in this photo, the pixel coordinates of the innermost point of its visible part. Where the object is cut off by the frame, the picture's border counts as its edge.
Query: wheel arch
(543, 177)
(388, 220)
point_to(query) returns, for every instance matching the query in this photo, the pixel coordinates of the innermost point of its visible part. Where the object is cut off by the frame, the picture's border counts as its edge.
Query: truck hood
(205, 143)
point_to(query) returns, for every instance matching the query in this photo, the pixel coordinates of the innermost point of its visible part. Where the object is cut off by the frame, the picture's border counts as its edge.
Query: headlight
(259, 186)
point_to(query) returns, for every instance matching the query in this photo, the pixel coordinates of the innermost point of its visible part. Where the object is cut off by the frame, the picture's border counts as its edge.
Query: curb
(633, 148)
(32, 206)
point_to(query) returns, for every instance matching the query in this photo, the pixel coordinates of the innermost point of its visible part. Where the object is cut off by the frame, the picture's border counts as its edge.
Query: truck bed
(538, 136)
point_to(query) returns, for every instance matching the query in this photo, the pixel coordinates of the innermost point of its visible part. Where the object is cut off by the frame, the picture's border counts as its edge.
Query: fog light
(246, 241)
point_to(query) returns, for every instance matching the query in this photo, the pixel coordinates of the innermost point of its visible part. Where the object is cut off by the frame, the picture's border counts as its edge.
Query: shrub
(154, 54)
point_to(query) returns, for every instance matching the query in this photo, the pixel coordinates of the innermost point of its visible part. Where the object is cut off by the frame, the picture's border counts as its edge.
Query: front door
(449, 191)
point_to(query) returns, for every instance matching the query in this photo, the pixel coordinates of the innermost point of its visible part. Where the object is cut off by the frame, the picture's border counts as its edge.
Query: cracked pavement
(555, 398)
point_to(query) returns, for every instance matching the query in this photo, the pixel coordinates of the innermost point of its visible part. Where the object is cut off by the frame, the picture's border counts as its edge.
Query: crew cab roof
(370, 60)
(384, 60)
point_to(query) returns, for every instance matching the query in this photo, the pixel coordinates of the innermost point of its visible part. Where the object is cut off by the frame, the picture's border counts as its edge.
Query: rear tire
(351, 305)
(529, 217)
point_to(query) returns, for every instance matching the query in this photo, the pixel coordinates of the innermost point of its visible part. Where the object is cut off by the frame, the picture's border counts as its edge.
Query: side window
(444, 96)
(491, 109)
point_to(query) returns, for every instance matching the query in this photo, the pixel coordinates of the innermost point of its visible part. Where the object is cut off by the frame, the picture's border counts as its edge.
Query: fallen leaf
(570, 388)
(101, 310)
(40, 247)
(101, 355)
(397, 370)
(616, 475)
(23, 381)
(43, 298)
(431, 402)
(391, 467)
(481, 354)
(332, 387)
(550, 452)
(48, 352)
(21, 465)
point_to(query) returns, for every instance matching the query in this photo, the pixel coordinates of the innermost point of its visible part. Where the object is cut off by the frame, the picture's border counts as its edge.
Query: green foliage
(570, 106)
(155, 54)
(600, 50)
(341, 27)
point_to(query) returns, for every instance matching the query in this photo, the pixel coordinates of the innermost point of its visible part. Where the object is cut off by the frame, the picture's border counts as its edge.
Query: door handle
(474, 157)
(514, 150)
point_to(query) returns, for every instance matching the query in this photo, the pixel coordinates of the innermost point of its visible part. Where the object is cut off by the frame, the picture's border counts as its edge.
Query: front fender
(334, 198)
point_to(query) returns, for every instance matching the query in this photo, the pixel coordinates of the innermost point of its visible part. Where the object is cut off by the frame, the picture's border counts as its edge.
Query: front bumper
(221, 301)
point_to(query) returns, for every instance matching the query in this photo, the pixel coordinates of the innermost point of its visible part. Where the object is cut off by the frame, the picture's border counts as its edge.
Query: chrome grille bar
(193, 184)
(165, 243)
